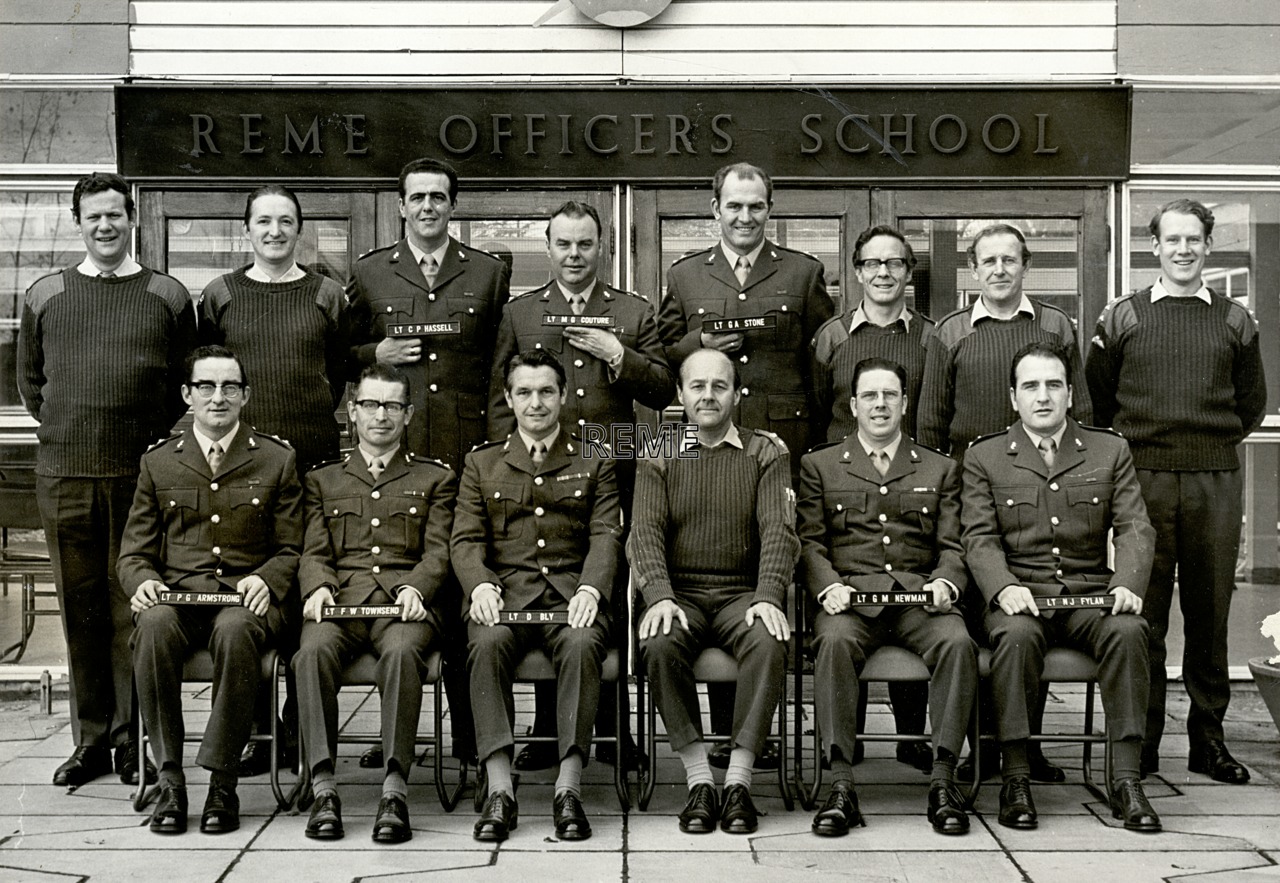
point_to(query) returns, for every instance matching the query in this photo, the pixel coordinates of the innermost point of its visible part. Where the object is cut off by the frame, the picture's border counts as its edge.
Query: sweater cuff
(774, 593)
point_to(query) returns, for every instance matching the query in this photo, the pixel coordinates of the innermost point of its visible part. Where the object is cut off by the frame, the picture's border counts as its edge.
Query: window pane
(37, 235)
(520, 242)
(57, 126)
(202, 249)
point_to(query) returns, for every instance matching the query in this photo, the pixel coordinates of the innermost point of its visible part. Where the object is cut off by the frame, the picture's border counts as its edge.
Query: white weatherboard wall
(751, 40)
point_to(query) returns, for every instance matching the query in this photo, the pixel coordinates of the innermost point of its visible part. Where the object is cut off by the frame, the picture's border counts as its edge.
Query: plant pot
(1267, 676)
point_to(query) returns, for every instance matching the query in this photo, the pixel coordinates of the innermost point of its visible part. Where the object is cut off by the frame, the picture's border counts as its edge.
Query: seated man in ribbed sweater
(713, 548)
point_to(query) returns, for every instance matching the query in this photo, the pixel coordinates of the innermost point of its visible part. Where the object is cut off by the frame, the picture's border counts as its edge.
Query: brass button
(887, 541)
(742, 296)
(433, 388)
(539, 511)
(883, 518)
(413, 510)
(375, 522)
(577, 493)
(577, 363)
(581, 392)
(256, 501)
(1056, 550)
(1054, 521)
(889, 568)
(377, 550)
(213, 486)
(377, 569)
(542, 544)
(883, 490)
(431, 296)
(537, 481)
(377, 495)
(546, 569)
(217, 550)
(431, 357)
(215, 519)
(1053, 486)
(746, 391)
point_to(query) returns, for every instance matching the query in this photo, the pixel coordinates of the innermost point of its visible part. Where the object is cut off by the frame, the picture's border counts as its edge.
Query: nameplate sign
(360, 611)
(209, 599)
(1075, 602)
(742, 323)
(423, 329)
(580, 321)
(889, 599)
(533, 617)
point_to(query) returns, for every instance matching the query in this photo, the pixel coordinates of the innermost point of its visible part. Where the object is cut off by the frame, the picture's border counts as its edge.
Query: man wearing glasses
(217, 511)
(377, 533)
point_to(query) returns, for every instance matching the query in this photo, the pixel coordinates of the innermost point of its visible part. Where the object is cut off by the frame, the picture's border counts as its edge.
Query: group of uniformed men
(1005, 506)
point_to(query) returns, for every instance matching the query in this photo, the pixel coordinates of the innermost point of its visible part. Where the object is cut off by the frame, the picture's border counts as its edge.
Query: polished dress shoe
(916, 754)
(85, 764)
(946, 810)
(570, 817)
(1042, 770)
(325, 822)
(170, 813)
(391, 824)
(538, 756)
(500, 817)
(126, 764)
(255, 760)
(839, 813)
(372, 759)
(1017, 809)
(1129, 802)
(738, 815)
(221, 810)
(701, 811)
(635, 759)
(767, 759)
(1214, 760)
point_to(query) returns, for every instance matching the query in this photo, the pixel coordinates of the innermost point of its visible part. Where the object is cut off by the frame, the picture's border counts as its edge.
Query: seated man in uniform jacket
(536, 529)
(879, 513)
(217, 510)
(377, 533)
(1039, 501)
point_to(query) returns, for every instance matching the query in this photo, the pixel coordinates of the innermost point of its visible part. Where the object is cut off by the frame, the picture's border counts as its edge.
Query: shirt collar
(980, 311)
(1036, 437)
(369, 458)
(732, 438)
(753, 256)
(419, 254)
(1159, 292)
(528, 441)
(585, 294)
(891, 448)
(127, 267)
(205, 442)
(860, 318)
(291, 275)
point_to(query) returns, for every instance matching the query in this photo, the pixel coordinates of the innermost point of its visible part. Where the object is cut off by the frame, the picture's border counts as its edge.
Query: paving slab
(1131, 867)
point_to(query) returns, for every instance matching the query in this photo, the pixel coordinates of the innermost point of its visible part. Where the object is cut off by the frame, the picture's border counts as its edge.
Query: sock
(739, 772)
(697, 771)
(497, 767)
(171, 774)
(323, 779)
(394, 784)
(944, 768)
(1126, 758)
(1014, 759)
(225, 779)
(570, 776)
(841, 769)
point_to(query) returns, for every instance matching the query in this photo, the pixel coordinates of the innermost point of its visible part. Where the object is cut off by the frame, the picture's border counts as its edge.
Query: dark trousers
(328, 646)
(717, 618)
(84, 519)
(163, 639)
(1118, 643)
(1197, 520)
(577, 655)
(842, 644)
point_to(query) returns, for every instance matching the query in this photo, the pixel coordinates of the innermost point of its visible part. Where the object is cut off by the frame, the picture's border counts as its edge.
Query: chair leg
(620, 775)
(784, 784)
(448, 799)
(651, 747)
(283, 801)
(1102, 792)
(141, 794)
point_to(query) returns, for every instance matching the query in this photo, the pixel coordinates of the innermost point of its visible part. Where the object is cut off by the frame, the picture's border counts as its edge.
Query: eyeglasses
(870, 396)
(371, 406)
(872, 265)
(206, 388)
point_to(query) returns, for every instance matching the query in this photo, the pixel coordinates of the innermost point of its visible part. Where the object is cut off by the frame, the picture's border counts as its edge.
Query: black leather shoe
(538, 756)
(1017, 809)
(570, 817)
(1041, 768)
(221, 811)
(701, 811)
(372, 758)
(85, 764)
(767, 759)
(946, 810)
(325, 822)
(739, 814)
(170, 813)
(839, 813)
(126, 764)
(916, 754)
(500, 817)
(1129, 802)
(391, 824)
(255, 760)
(1214, 760)
(635, 759)
(1150, 762)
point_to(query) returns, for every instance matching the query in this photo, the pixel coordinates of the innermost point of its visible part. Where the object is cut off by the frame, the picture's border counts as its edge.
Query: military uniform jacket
(451, 380)
(364, 534)
(527, 529)
(879, 533)
(196, 531)
(773, 363)
(1047, 530)
(596, 395)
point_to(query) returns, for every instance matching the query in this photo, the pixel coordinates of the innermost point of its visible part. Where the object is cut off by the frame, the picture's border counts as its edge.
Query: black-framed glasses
(205, 388)
(371, 406)
(873, 265)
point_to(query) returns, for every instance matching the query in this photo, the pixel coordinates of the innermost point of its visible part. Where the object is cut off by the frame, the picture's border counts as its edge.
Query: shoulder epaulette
(160, 442)
(987, 437)
(954, 314)
(373, 251)
(419, 458)
(776, 247)
(336, 461)
(692, 254)
(823, 447)
(614, 290)
(916, 444)
(773, 437)
(487, 444)
(275, 438)
(525, 294)
(1106, 430)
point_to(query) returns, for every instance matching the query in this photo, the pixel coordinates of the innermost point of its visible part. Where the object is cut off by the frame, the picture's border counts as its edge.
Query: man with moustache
(100, 353)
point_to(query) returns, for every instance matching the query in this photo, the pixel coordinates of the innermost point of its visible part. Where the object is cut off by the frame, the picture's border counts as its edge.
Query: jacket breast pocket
(1093, 501)
(787, 311)
(1016, 506)
(504, 500)
(409, 514)
(395, 310)
(575, 496)
(181, 507)
(922, 507)
(844, 506)
(249, 510)
(468, 312)
(788, 407)
(338, 515)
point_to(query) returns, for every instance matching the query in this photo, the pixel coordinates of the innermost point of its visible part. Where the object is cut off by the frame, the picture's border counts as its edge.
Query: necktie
(1048, 450)
(577, 304)
(376, 467)
(215, 457)
(881, 461)
(107, 275)
(742, 269)
(538, 451)
(429, 270)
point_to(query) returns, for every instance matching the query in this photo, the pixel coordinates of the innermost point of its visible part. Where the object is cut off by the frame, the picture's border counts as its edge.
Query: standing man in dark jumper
(879, 326)
(1177, 369)
(100, 353)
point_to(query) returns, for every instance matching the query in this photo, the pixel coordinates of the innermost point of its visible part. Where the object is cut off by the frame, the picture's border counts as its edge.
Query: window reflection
(202, 249)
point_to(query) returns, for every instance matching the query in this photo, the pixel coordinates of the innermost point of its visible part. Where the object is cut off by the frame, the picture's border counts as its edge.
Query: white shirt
(438, 254)
(1159, 292)
(127, 267)
(292, 274)
(530, 441)
(860, 318)
(980, 310)
(206, 443)
(731, 438)
(732, 256)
